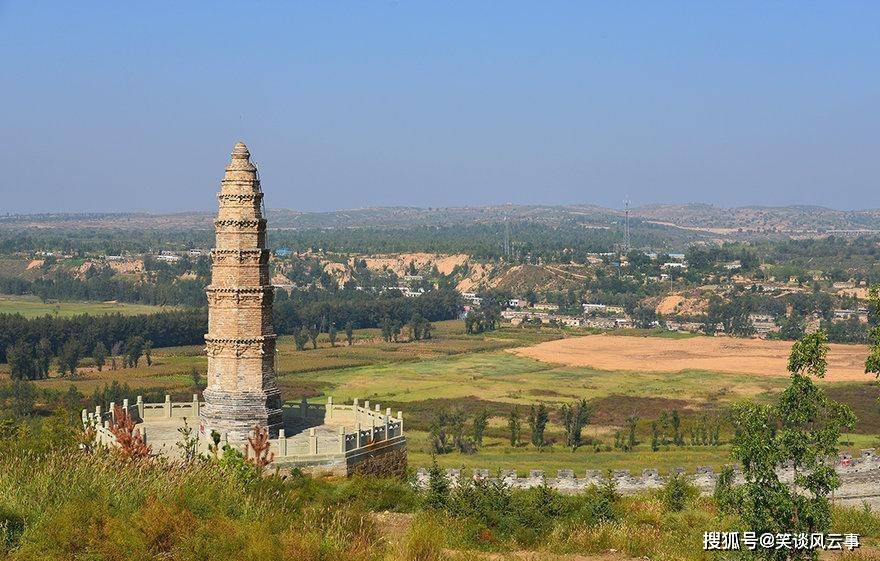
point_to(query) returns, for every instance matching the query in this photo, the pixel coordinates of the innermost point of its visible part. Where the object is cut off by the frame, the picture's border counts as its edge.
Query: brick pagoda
(240, 343)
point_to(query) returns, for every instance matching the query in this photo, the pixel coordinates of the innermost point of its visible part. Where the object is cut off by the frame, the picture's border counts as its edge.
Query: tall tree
(22, 364)
(68, 361)
(631, 423)
(799, 434)
(44, 356)
(148, 352)
(513, 426)
(300, 338)
(872, 364)
(538, 417)
(574, 418)
(349, 333)
(331, 334)
(134, 349)
(99, 355)
(481, 421)
(313, 336)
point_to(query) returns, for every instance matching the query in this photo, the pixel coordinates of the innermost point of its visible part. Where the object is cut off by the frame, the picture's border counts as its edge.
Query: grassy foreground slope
(113, 509)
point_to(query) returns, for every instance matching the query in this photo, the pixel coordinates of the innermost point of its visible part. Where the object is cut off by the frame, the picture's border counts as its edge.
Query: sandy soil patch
(34, 263)
(479, 272)
(722, 354)
(400, 262)
(860, 293)
(669, 304)
(128, 266)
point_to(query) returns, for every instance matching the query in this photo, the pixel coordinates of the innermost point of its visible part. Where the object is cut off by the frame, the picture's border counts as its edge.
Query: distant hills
(748, 221)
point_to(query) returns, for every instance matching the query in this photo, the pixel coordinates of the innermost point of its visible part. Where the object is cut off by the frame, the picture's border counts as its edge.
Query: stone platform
(341, 439)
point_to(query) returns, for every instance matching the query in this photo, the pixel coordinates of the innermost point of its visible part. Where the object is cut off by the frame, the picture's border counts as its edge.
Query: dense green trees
(104, 285)
(362, 309)
(51, 335)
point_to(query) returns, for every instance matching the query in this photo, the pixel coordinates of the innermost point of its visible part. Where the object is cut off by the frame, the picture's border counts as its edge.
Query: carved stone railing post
(282, 443)
(400, 420)
(342, 440)
(329, 412)
(359, 432)
(195, 406)
(313, 441)
(167, 406)
(140, 406)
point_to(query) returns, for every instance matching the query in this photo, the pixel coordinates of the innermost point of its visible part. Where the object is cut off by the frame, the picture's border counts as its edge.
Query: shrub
(726, 495)
(678, 492)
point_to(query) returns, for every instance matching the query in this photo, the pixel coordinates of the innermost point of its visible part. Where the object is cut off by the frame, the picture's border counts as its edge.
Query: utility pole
(507, 233)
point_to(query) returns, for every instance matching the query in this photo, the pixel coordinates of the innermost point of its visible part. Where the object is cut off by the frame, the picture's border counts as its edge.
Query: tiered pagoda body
(242, 391)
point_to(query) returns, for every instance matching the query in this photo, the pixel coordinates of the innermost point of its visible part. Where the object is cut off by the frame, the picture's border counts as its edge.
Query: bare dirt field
(720, 354)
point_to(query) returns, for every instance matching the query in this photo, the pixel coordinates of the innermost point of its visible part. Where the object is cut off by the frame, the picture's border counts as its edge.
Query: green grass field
(31, 306)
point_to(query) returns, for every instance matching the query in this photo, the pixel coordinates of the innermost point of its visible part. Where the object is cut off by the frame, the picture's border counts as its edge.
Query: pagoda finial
(240, 151)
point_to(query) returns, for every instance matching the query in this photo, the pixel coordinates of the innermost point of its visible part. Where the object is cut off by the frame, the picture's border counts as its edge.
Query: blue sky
(117, 106)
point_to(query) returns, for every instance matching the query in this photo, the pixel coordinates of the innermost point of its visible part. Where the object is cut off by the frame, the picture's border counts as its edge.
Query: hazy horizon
(135, 108)
(634, 208)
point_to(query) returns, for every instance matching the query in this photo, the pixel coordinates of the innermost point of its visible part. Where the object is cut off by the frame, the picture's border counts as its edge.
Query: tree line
(104, 285)
(67, 339)
(319, 310)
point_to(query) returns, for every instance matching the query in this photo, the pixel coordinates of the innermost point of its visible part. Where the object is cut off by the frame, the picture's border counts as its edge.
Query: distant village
(591, 313)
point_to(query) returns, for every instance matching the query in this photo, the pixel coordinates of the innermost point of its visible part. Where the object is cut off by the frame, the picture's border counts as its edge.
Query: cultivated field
(719, 354)
(31, 306)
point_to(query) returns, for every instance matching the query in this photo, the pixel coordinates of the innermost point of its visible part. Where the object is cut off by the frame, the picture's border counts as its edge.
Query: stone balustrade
(345, 429)
(370, 426)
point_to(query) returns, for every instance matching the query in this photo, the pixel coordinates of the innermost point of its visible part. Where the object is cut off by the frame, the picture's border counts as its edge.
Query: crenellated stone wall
(860, 479)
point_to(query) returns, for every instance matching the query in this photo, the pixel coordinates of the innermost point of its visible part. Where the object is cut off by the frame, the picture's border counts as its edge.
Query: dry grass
(718, 354)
